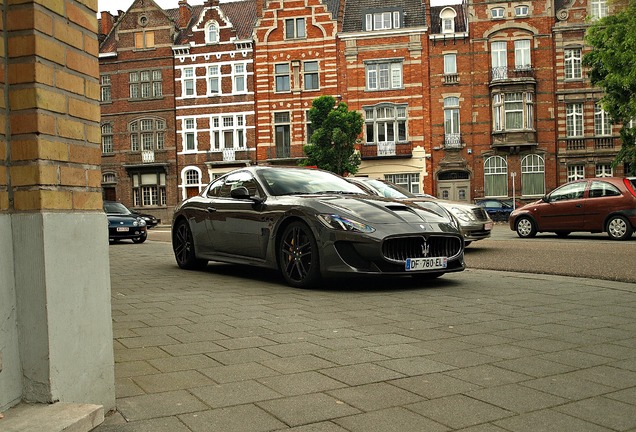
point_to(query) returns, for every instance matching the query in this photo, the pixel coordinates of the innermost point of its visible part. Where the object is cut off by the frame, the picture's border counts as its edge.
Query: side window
(240, 179)
(603, 189)
(215, 188)
(568, 192)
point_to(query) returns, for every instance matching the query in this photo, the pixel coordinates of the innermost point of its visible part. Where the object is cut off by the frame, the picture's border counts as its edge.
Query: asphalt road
(580, 254)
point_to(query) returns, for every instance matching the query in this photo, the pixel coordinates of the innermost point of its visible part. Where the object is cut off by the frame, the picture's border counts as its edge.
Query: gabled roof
(460, 18)
(353, 19)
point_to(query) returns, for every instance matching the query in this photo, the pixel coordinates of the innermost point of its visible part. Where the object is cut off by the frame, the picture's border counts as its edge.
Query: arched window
(147, 134)
(448, 20)
(191, 180)
(532, 175)
(109, 178)
(212, 32)
(107, 138)
(495, 176)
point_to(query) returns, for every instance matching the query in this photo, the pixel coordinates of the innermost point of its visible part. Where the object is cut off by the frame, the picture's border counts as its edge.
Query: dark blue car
(498, 209)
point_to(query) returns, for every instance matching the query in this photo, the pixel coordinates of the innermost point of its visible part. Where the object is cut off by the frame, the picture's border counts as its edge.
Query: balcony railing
(591, 143)
(386, 148)
(229, 155)
(147, 156)
(453, 141)
(451, 78)
(501, 73)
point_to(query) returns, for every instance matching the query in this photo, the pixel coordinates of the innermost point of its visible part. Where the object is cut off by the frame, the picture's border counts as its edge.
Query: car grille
(480, 214)
(401, 248)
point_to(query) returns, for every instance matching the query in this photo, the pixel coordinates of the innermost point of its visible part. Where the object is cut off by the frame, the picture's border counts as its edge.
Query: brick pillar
(55, 318)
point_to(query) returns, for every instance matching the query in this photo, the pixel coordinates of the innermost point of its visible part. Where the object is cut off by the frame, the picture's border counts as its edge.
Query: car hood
(376, 210)
(117, 219)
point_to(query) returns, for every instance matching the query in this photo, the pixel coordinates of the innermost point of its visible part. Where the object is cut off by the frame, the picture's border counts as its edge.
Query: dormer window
(211, 32)
(448, 20)
(521, 11)
(497, 13)
(386, 20)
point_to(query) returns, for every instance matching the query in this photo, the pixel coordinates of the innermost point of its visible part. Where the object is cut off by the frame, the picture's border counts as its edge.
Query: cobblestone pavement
(235, 349)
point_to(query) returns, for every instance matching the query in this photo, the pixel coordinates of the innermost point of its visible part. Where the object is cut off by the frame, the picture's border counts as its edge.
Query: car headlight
(338, 222)
(139, 222)
(463, 215)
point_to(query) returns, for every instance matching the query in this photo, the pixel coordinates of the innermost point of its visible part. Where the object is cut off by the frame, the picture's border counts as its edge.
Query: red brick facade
(459, 101)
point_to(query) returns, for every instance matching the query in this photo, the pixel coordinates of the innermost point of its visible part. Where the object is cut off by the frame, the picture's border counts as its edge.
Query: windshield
(292, 181)
(116, 208)
(389, 190)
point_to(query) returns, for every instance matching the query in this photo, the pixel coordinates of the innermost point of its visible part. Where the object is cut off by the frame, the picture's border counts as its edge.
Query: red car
(594, 205)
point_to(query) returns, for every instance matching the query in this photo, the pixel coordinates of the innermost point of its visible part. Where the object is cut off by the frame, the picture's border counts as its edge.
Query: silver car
(474, 222)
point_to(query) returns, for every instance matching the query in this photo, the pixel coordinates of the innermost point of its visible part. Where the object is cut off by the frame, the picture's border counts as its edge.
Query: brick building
(138, 107)
(462, 101)
(214, 92)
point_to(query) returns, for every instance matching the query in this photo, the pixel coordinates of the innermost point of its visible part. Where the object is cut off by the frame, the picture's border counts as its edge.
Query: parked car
(592, 205)
(311, 224)
(122, 224)
(497, 209)
(474, 222)
(151, 221)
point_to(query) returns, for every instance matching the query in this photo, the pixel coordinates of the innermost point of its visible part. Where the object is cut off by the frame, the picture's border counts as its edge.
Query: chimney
(107, 21)
(185, 13)
(260, 4)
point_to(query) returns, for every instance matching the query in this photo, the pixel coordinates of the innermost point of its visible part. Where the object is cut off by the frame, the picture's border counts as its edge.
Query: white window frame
(576, 172)
(386, 20)
(189, 87)
(214, 80)
(189, 132)
(602, 123)
(386, 123)
(573, 63)
(598, 9)
(499, 59)
(574, 120)
(522, 11)
(451, 116)
(299, 31)
(532, 167)
(495, 170)
(282, 74)
(604, 170)
(450, 64)
(107, 139)
(239, 79)
(384, 75)
(309, 71)
(523, 59)
(409, 181)
(212, 32)
(497, 13)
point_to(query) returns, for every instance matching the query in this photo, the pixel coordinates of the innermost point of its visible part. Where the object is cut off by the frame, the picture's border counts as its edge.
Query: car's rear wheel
(298, 256)
(139, 239)
(619, 228)
(562, 234)
(526, 227)
(183, 247)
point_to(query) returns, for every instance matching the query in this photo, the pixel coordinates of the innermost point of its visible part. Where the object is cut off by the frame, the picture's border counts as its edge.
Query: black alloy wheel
(183, 247)
(298, 256)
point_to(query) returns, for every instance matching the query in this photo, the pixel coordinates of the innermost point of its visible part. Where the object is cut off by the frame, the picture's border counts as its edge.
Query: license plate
(488, 226)
(122, 229)
(426, 263)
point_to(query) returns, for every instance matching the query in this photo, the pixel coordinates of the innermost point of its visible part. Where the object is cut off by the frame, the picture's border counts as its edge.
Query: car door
(563, 209)
(603, 199)
(236, 226)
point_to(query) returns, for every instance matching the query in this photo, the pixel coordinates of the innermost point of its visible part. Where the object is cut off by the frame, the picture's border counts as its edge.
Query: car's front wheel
(183, 247)
(298, 256)
(526, 227)
(619, 228)
(139, 239)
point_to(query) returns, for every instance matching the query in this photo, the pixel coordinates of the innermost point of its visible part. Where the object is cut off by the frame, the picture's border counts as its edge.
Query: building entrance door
(454, 190)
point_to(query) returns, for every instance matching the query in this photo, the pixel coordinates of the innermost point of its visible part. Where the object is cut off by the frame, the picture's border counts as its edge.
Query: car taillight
(630, 186)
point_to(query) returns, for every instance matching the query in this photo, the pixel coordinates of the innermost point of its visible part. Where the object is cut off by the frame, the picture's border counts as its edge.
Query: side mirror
(545, 199)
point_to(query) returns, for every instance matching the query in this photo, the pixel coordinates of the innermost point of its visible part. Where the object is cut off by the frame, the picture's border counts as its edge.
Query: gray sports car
(311, 224)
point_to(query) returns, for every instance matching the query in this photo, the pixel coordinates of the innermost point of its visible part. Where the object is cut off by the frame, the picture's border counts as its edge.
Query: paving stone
(548, 421)
(186, 349)
(144, 353)
(301, 383)
(315, 427)
(568, 386)
(603, 411)
(488, 375)
(244, 418)
(155, 405)
(415, 365)
(293, 349)
(400, 350)
(390, 420)
(371, 397)
(133, 368)
(535, 366)
(517, 398)
(350, 356)
(607, 375)
(361, 374)
(435, 385)
(163, 382)
(173, 364)
(238, 372)
(459, 411)
(234, 393)
(305, 409)
(246, 355)
(163, 424)
(461, 358)
(125, 387)
(301, 363)
(245, 342)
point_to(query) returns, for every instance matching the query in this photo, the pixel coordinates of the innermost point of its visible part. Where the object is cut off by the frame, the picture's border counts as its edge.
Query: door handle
(211, 209)
(579, 205)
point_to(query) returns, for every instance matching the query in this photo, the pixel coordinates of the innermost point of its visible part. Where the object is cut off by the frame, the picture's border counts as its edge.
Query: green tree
(612, 67)
(335, 132)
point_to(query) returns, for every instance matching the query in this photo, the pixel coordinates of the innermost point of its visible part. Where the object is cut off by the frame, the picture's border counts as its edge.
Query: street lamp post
(514, 199)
